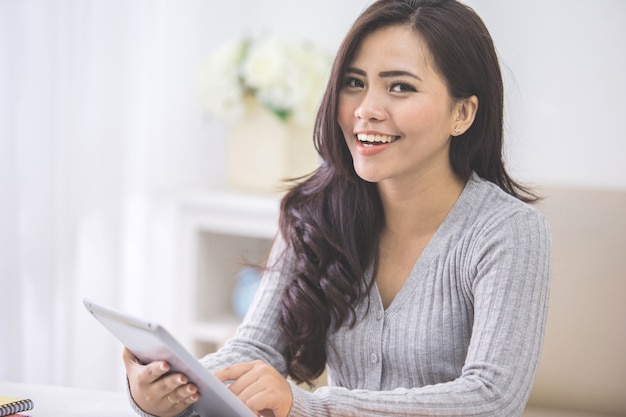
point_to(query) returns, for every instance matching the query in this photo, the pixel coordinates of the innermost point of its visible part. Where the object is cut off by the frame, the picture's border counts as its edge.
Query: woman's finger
(145, 373)
(260, 386)
(233, 372)
(179, 390)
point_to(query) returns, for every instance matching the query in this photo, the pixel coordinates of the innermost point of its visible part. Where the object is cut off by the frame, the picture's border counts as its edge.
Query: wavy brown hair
(332, 220)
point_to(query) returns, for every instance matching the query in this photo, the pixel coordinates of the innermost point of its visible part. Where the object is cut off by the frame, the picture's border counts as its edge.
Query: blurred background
(102, 133)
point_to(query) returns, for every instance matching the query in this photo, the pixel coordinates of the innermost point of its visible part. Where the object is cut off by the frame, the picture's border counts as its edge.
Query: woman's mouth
(369, 140)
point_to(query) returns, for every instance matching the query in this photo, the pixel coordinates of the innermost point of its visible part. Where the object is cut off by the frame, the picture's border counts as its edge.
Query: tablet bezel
(151, 342)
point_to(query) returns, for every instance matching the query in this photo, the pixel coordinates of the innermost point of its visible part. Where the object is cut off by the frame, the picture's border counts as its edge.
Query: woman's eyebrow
(356, 71)
(384, 74)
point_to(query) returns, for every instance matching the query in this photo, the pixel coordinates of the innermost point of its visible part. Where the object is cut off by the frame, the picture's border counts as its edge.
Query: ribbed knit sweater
(462, 337)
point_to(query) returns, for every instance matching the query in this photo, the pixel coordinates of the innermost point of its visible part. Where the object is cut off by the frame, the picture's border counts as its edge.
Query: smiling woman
(409, 264)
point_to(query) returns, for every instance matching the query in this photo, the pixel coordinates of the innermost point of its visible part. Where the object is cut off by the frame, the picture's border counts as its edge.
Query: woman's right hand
(154, 390)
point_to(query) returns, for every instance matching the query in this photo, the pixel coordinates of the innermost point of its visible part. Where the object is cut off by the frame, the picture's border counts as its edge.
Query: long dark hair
(332, 220)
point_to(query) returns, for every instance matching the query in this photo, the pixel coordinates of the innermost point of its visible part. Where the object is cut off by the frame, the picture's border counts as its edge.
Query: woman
(409, 264)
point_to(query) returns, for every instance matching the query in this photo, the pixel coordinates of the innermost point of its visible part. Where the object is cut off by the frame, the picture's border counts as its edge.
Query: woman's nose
(370, 108)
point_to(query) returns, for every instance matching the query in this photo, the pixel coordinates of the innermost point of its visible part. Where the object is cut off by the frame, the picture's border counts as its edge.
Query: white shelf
(232, 213)
(221, 232)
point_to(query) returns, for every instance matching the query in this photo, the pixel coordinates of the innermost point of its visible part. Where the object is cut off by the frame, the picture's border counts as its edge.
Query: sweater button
(374, 358)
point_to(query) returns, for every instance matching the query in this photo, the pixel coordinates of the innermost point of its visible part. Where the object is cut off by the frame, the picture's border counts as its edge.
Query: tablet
(150, 342)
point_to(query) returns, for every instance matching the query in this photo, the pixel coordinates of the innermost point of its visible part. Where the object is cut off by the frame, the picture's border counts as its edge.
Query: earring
(457, 130)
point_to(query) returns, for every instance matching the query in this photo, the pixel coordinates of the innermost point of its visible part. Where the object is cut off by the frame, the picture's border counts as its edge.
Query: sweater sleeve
(508, 266)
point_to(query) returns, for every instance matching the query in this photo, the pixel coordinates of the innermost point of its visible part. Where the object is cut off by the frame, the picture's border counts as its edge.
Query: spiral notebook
(10, 405)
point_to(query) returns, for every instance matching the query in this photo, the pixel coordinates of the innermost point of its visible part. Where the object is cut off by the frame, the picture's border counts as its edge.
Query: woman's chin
(369, 175)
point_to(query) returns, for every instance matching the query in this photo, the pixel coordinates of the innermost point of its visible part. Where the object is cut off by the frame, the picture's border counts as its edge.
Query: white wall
(564, 63)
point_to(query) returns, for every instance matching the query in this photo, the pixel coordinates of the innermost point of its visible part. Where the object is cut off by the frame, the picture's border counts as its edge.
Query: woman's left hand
(260, 386)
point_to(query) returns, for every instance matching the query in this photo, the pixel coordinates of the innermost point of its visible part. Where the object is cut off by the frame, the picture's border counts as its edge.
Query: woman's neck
(419, 209)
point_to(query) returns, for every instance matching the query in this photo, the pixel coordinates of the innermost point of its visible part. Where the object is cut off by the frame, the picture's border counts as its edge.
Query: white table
(55, 401)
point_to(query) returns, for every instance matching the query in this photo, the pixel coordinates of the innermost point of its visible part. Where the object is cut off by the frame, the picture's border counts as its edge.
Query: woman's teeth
(375, 139)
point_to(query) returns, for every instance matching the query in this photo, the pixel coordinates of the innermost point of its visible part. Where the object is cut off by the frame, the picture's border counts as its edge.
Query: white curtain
(99, 132)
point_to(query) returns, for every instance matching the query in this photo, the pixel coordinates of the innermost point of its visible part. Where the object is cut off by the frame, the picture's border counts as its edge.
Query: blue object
(248, 280)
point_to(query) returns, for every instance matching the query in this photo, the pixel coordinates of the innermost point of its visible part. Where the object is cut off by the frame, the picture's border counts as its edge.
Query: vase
(263, 151)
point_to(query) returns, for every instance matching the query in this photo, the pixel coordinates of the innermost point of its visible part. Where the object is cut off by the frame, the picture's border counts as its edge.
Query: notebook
(10, 405)
(150, 342)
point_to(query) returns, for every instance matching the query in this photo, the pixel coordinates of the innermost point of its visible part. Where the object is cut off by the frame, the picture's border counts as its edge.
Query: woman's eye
(402, 88)
(353, 83)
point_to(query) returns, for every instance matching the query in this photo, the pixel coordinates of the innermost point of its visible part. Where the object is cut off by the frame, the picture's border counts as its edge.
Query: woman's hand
(155, 392)
(260, 386)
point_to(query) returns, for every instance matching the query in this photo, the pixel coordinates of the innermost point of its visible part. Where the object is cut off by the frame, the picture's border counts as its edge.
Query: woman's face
(395, 111)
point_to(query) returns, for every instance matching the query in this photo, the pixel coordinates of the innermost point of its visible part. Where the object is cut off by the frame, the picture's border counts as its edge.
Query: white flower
(285, 75)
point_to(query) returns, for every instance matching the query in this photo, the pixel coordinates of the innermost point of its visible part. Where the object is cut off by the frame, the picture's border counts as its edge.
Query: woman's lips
(368, 139)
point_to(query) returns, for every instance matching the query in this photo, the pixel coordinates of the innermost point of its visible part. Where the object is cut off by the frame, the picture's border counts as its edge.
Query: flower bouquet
(284, 75)
(267, 91)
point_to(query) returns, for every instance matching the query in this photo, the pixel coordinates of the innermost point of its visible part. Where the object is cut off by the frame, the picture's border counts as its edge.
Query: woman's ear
(465, 110)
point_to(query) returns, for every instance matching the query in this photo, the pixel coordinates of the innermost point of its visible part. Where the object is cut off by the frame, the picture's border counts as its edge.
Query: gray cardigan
(462, 337)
